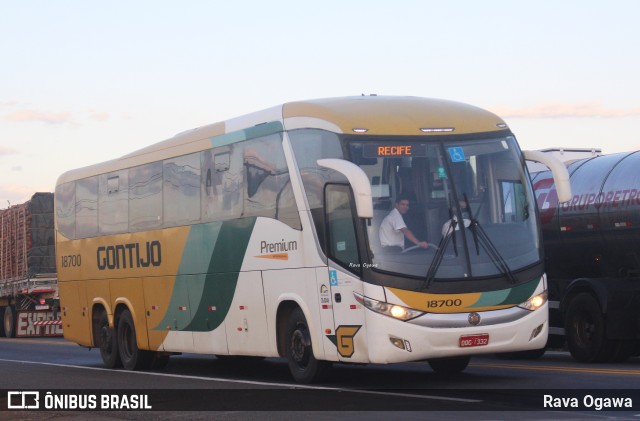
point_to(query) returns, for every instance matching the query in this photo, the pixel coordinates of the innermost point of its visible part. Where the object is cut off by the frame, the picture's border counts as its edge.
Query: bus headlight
(535, 302)
(391, 310)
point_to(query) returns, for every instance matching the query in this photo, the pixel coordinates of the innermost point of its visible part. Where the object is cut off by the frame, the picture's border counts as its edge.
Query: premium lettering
(129, 256)
(278, 247)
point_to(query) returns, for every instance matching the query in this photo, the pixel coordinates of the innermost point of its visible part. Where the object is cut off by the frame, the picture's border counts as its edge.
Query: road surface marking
(251, 382)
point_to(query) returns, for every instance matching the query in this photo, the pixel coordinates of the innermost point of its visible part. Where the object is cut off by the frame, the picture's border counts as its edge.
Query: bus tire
(133, 358)
(584, 326)
(9, 322)
(299, 351)
(452, 365)
(2, 321)
(107, 341)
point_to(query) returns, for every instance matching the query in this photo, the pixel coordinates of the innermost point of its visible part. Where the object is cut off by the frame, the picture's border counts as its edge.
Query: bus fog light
(536, 332)
(397, 342)
(400, 343)
(535, 302)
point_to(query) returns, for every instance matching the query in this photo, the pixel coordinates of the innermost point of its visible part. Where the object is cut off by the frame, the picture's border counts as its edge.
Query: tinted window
(182, 190)
(145, 197)
(87, 207)
(113, 201)
(65, 209)
(267, 186)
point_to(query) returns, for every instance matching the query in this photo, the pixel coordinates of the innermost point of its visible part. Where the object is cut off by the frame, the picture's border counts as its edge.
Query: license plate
(474, 340)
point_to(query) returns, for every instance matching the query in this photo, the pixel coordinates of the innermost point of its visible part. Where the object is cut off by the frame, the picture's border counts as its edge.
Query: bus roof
(373, 115)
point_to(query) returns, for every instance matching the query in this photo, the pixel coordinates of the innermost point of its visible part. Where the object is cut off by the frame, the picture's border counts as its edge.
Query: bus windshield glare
(446, 179)
(467, 199)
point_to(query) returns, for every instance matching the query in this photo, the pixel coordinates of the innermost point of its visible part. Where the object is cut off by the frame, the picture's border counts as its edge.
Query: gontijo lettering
(130, 255)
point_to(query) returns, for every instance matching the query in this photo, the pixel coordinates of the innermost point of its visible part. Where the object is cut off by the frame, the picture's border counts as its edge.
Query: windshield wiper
(481, 238)
(442, 246)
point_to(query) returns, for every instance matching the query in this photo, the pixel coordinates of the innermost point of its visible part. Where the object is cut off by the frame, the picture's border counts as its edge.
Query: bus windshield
(468, 197)
(469, 200)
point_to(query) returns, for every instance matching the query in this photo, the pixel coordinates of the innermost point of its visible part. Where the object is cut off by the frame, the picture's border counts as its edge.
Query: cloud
(98, 115)
(4, 150)
(28, 115)
(12, 194)
(566, 110)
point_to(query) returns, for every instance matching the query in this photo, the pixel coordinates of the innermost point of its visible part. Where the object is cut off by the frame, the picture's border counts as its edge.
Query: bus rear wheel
(452, 365)
(108, 343)
(133, 358)
(304, 367)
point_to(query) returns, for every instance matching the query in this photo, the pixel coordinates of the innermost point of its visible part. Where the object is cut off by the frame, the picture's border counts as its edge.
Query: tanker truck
(592, 256)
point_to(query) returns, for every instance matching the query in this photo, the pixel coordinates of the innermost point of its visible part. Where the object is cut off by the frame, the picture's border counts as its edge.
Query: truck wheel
(108, 342)
(132, 357)
(584, 326)
(299, 351)
(9, 322)
(453, 365)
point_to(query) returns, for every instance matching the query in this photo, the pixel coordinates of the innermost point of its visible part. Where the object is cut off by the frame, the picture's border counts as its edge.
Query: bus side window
(341, 230)
(222, 183)
(65, 209)
(113, 202)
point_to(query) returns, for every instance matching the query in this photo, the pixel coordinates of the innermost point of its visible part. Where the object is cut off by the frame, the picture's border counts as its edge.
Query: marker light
(534, 302)
(360, 130)
(437, 129)
(391, 310)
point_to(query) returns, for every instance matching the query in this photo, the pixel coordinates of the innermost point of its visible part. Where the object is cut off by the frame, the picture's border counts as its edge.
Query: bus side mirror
(558, 169)
(359, 183)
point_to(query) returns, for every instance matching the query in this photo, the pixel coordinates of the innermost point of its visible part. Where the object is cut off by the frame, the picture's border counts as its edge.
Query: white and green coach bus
(258, 236)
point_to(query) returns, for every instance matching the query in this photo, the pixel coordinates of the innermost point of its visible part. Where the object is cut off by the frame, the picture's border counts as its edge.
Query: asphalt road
(490, 388)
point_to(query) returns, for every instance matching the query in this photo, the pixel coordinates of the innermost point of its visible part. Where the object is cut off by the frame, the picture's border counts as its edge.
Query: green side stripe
(245, 134)
(208, 275)
(507, 296)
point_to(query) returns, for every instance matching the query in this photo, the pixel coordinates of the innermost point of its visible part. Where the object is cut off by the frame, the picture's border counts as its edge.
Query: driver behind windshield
(393, 230)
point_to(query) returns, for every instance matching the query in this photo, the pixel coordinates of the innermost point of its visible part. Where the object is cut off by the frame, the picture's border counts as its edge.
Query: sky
(83, 82)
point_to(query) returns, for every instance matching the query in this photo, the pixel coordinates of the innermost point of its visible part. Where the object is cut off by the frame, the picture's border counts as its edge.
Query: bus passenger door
(349, 335)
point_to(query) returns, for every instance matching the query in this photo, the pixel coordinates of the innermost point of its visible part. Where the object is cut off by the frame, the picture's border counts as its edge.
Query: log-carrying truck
(29, 303)
(592, 256)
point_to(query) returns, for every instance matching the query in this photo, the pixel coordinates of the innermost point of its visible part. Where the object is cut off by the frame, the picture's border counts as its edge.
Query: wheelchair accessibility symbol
(457, 154)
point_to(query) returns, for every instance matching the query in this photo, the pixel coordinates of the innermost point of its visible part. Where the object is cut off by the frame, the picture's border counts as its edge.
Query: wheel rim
(300, 347)
(585, 327)
(126, 342)
(8, 320)
(106, 339)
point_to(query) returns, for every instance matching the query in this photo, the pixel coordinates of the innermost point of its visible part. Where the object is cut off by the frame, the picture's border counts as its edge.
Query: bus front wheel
(133, 358)
(304, 367)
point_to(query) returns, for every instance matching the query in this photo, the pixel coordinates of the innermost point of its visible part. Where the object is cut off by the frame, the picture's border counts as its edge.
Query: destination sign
(394, 150)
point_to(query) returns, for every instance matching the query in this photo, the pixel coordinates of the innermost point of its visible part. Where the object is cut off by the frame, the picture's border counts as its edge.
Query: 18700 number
(444, 303)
